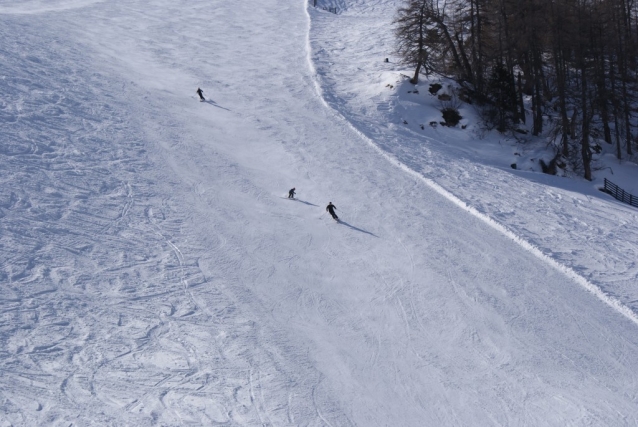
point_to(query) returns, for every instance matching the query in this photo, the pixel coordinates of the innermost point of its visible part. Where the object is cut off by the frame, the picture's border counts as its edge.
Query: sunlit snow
(154, 273)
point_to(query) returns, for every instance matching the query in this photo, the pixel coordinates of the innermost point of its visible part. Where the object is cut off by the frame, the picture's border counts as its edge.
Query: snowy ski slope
(153, 273)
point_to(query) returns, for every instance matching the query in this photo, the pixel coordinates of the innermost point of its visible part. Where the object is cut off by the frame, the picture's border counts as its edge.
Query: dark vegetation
(564, 68)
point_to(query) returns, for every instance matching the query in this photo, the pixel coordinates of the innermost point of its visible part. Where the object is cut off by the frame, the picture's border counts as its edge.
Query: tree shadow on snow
(357, 229)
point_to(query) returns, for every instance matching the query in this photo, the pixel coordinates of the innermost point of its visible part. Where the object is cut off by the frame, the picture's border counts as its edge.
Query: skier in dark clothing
(331, 208)
(291, 193)
(201, 94)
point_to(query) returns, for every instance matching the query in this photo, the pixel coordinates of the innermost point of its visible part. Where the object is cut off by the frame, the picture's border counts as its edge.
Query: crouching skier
(331, 208)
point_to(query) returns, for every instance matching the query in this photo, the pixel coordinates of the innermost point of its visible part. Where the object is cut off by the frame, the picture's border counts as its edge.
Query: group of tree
(574, 60)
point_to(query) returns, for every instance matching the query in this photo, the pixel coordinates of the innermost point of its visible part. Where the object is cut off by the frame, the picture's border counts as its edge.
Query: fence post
(620, 194)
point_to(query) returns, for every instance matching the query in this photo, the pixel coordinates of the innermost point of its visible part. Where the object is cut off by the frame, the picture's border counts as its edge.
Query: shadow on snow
(214, 104)
(356, 228)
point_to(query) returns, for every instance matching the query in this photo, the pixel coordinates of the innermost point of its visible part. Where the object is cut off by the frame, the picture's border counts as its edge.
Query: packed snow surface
(153, 272)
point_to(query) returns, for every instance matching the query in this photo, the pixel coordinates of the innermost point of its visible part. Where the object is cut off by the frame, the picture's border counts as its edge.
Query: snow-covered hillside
(154, 273)
(568, 220)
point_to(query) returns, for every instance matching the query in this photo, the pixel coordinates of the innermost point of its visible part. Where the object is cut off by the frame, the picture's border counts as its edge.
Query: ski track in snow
(152, 275)
(120, 320)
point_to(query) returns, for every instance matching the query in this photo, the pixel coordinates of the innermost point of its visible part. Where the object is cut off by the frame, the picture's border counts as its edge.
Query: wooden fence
(620, 194)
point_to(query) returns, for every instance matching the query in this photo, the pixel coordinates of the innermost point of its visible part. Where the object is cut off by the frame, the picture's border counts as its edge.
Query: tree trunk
(521, 104)
(452, 47)
(585, 150)
(414, 80)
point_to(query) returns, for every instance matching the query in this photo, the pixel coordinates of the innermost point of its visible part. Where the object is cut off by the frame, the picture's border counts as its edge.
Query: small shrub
(451, 116)
(434, 88)
(450, 111)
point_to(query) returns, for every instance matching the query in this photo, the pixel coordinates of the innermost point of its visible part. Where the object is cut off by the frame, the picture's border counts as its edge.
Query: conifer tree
(415, 35)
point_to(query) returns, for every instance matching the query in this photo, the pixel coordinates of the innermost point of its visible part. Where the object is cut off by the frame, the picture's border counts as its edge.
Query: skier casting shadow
(201, 94)
(291, 193)
(331, 208)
